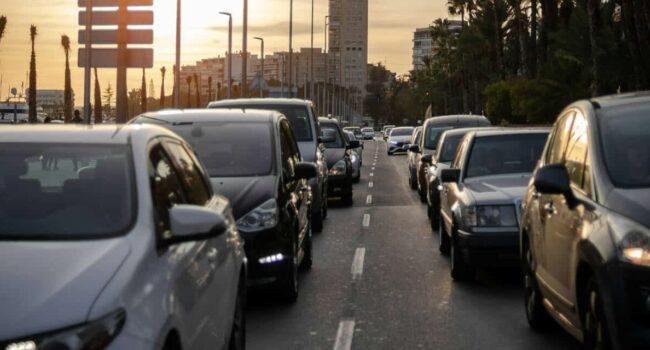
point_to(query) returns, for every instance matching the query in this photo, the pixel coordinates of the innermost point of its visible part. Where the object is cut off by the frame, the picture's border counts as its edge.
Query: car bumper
(263, 244)
(494, 249)
(339, 185)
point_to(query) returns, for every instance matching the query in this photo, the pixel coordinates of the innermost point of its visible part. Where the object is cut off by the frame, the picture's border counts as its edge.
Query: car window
(505, 154)
(456, 164)
(189, 171)
(576, 151)
(559, 141)
(448, 147)
(401, 132)
(286, 150)
(298, 115)
(166, 189)
(338, 141)
(432, 136)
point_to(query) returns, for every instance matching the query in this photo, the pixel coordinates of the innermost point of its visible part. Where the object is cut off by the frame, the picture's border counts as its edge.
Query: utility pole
(290, 46)
(244, 62)
(88, 65)
(261, 81)
(327, 70)
(229, 52)
(311, 56)
(122, 101)
(177, 67)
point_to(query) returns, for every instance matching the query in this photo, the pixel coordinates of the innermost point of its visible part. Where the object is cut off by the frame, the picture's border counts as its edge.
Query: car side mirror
(353, 144)
(450, 175)
(427, 159)
(193, 223)
(414, 148)
(554, 179)
(305, 171)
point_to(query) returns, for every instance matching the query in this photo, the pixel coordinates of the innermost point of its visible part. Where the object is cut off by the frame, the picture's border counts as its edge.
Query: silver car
(398, 140)
(113, 239)
(356, 158)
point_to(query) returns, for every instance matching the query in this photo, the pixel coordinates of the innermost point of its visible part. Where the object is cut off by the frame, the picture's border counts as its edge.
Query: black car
(481, 196)
(585, 235)
(253, 159)
(304, 121)
(339, 159)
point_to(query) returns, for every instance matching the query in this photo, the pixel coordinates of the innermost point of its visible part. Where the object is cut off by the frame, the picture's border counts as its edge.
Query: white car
(113, 239)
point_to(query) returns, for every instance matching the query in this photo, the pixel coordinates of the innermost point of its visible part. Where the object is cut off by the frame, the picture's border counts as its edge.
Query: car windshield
(505, 154)
(65, 191)
(626, 147)
(368, 130)
(432, 136)
(448, 147)
(231, 149)
(298, 116)
(401, 132)
(337, 140)
(350, 136)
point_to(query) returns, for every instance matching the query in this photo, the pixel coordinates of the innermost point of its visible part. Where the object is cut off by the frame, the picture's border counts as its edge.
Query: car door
(292, 200)
(303, 191)
(448, 193)
(214, 268)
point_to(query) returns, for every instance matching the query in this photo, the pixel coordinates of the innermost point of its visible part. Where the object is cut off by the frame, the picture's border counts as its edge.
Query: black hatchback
(339, 159)
(253, 159)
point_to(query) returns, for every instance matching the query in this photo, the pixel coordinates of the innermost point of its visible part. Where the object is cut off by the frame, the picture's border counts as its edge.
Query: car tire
(288, 286)
(308, 259)
(357, 179)
(443, 239)
(347, 199)
(238, 332)
(594, 322)
(423, 196)
(461, 271)
(413, 183)
(317, 220)
(536, 314)
(324, 205)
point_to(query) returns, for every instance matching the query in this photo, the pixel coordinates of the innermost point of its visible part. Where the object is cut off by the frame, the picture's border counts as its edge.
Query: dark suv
(304, 121)
(253, 159)
(585, 235)
(339, 159)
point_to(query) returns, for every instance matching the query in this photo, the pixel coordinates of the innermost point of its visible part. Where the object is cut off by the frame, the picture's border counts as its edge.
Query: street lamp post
(290, 46)
(229, 52)
(327, 72)
(244, 62)
(261, 81)
(311, 56)
(177, 67)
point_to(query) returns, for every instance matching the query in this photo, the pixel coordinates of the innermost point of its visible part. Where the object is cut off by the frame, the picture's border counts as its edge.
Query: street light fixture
(229, 51)
(261, 81)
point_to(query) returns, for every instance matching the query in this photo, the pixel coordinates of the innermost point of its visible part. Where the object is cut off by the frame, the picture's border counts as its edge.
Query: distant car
(304, 122)
(431, 131)
(358, 134)
(357, 158)
(120, 245)
(386, 131)
(585, 235)
(338, 152)
(412, 157)
(398, 140)
(481, 197)
(253, 159)
(368, 133)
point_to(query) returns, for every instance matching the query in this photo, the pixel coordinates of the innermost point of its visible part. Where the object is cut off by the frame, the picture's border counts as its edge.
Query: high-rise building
(348, 44)
(423, 45)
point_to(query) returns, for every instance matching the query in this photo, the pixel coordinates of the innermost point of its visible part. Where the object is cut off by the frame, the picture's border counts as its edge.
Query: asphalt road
(378, 282)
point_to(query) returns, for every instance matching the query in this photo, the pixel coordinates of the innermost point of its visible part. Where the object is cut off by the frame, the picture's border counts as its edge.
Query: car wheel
(324, 205)
(594, 324)
(308, 259)
(317, 220)
(357, 179)
(288, 287)
(423, 196)
(347, 198)
(413, 183)
(443, 239)
(238, 332)
(460, 269)
(536, 314)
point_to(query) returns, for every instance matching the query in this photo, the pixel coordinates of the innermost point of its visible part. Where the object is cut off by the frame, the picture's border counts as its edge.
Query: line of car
(148, 235)
(569, 205)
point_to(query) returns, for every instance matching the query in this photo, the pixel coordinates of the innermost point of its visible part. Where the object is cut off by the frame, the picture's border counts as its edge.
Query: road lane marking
(357, 263)
(344, 335)
(369, 199)
(366, 220)
(370, 184)
(372, 174)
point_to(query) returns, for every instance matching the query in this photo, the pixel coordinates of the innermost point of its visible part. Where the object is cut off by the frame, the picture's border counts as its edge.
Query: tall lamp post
(290, 46)
(244, 60)
(311, 56)
(177, 67)
(327, 71)
(229, 52)
(261, 81)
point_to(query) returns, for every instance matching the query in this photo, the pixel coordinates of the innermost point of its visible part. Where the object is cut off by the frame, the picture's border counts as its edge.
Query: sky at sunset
(204, 35)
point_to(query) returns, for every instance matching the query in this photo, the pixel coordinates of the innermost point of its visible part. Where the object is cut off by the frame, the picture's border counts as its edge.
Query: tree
(593, 7)
(197, 89)
(3, 26)
(143, 93)
(67, 94)
(98, 100)
(32, 76)
(189, 90)
(209, 88)
(163, 70)
(108, 98)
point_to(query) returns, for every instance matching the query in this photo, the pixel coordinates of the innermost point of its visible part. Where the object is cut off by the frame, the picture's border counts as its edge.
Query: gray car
(116, 244)
(356, 157)
(481, 197)
(398, 140)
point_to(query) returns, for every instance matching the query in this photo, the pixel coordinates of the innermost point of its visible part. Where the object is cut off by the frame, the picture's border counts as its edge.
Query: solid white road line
(366, 220)
(369, 199)
(357, 263)
(370, 184)
(344, 335)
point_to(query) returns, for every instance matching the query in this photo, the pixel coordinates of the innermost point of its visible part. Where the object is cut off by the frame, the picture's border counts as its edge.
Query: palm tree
(163, 70)
(67, 95)
(209, 88)
(3, 26)
(174, 87)
(197, 89)
(143, 93)
(98, 100)
(32, 76)
(189, 90)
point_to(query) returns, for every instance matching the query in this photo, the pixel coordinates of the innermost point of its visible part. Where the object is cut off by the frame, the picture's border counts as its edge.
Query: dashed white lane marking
(366, 220)
(344, 335)
(357, 263)
(372, 174)
(373, 168)
(369, 199)
(370, 184)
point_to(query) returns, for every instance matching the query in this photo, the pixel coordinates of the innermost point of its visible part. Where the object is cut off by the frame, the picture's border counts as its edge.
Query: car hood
(49, 285)
(406, 138)
(631, 203)
(245, 193)
(333, 155)
(503, 189)
(307, 151)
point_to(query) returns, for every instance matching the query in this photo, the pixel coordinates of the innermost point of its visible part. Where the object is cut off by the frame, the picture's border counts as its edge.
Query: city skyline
(203, 36)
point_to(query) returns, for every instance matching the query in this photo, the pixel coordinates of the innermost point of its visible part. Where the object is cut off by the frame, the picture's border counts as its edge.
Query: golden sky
(204, 35)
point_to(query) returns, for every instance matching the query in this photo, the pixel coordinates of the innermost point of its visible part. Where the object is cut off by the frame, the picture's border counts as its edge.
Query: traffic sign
(111, 18)
(107, 58)
(109, 36)
(115, 3)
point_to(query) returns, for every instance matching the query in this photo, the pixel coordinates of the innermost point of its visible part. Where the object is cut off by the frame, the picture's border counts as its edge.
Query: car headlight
(354, 157)
(490, 216)
(94, 335)
(339, 168)
(632, 239)
(263, 217)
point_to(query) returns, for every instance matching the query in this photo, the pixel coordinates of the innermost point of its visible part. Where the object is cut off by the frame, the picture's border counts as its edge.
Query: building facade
(423, 46)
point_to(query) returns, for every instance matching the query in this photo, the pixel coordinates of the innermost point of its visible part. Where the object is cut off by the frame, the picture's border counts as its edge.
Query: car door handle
(549, 208)
(212, 255)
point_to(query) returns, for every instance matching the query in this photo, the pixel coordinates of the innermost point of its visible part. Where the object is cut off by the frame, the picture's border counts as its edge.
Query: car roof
(324, 120)
(79, 133)
(260, 101)
(461, 131)
(609, 101)
(509, 131)
(176, 116)
(404, 127)
(456, 119)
